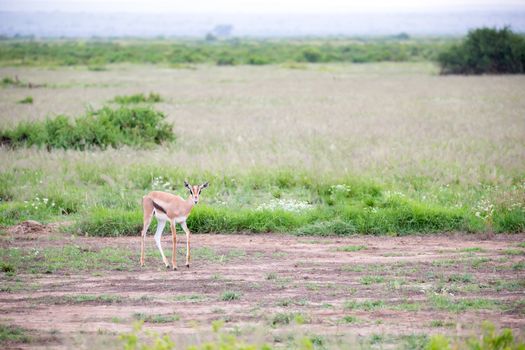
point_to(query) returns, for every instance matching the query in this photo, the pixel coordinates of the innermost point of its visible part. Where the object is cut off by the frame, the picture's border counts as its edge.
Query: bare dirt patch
(359, 285)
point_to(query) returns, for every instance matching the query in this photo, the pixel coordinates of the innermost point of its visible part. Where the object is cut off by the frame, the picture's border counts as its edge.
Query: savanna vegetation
(97, 53)
(295, 139)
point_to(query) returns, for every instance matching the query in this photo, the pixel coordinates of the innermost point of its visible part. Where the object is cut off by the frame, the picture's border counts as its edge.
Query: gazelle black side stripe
(159, 208)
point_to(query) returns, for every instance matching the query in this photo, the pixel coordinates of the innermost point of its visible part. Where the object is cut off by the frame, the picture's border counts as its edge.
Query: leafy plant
(140, 127)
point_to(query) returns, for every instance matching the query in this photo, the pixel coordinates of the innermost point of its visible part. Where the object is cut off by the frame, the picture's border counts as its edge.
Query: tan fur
(177, 211)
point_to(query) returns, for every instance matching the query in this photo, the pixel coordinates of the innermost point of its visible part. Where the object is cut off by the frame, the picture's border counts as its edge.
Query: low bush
(139, 127)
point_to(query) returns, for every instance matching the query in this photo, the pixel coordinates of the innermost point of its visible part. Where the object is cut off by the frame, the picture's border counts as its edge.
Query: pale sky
(255, 6)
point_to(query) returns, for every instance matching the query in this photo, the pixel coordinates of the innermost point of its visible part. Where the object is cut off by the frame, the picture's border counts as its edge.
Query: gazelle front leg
(158, 236)
(174, 236)
(147, 222)
(188, 255)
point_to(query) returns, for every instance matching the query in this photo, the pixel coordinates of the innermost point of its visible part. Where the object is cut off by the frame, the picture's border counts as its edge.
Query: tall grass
(364, 207)
(103, 128)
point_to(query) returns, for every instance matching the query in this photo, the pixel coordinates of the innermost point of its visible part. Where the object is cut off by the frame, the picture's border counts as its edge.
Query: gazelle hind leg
(158, 236)
(174, 248)
(187, 231)
(147, 206)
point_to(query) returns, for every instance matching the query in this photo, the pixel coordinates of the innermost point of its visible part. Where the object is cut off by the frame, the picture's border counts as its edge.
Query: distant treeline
(221, 52)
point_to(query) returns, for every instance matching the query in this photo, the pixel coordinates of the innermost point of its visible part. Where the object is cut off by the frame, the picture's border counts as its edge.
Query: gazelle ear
(204, 185)
(187, 185)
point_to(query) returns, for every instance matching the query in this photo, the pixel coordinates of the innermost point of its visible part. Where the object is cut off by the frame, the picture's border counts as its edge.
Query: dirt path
(358, 285)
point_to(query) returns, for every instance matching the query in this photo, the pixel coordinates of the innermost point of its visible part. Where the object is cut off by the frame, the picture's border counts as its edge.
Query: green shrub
(312, 55)
(485, 50)
(139, 127)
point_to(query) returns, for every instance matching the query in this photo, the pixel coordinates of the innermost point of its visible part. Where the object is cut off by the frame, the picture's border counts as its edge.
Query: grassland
(324, 149)
(96, 54)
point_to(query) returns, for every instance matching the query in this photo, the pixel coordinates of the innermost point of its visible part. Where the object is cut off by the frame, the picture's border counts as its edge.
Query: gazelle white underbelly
(180, 219)
(161, 216)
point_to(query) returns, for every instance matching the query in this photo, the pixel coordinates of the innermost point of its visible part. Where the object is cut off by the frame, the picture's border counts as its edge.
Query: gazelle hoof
(167, 266)
(188, 266)
(174, 268)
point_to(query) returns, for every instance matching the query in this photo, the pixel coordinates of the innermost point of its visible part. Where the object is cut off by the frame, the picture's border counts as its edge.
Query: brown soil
(272, 273)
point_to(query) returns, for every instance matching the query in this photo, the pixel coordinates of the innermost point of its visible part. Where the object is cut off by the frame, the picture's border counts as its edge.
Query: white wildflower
(285, 204)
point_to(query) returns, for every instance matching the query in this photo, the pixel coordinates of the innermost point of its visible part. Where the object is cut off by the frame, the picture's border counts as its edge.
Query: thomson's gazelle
(169, 207)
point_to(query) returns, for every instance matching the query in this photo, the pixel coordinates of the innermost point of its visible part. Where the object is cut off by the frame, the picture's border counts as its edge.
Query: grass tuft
(26, 100)
(138, 98)
(13, 334)
(230, 296)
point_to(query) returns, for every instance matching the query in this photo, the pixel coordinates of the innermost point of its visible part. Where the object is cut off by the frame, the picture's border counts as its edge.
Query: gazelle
(169, 207)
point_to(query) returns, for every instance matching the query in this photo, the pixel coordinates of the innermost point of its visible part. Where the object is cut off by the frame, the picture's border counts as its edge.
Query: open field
(360, 291)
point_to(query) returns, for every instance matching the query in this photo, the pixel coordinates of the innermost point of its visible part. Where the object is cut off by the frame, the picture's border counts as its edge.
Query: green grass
(26, 100)
(104, 200)
(138, 98)
(67, 258)
(518, 266)
(230, 295)
(107, 127)
(366, 280)
(514, 252)
(463, 278)
(472, 250)
(445, 303)
(156, 318)
(89, 298)
(441, 324)
(351, 248)
(351, 319)
(368, 305)
(190, 298)
(13, 334)
(285, 318)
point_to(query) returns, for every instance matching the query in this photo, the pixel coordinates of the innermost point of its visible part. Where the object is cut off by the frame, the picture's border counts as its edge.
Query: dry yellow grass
(381, 120)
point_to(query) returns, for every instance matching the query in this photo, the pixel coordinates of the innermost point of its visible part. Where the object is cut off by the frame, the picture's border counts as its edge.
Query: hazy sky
(255, 6)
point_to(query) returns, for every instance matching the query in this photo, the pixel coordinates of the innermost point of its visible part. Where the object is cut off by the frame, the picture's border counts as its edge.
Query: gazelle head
(195, 190)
